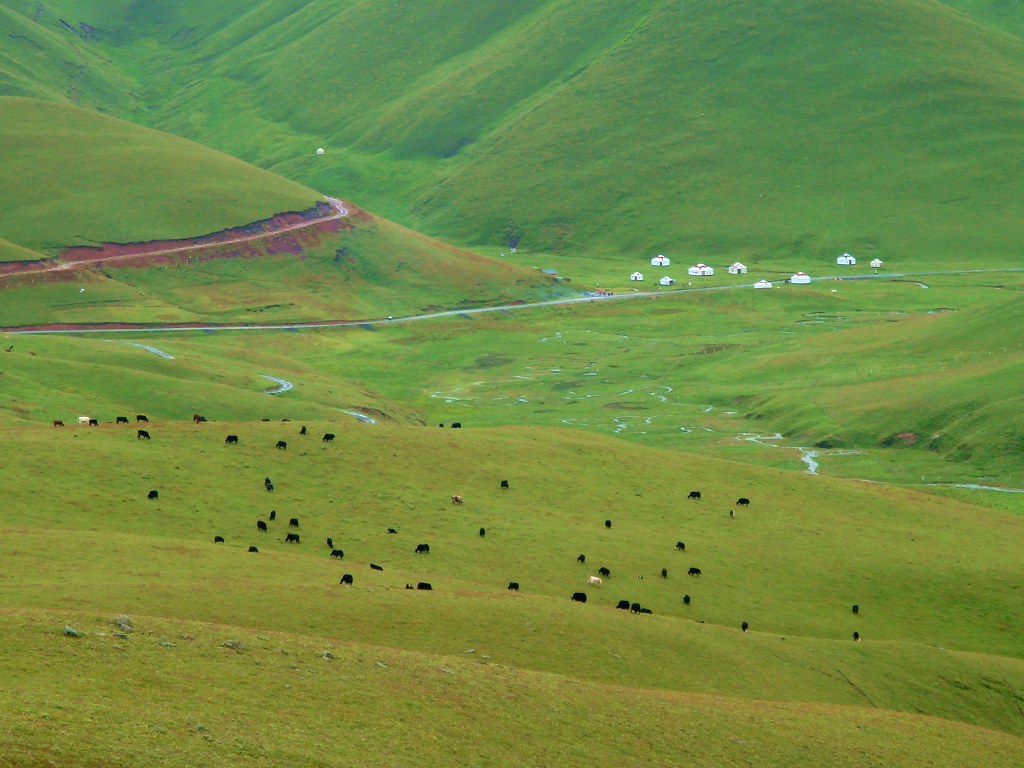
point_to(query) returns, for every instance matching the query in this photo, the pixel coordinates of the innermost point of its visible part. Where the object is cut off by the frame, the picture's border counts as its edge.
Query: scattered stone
(235, 645)
(381, 665)
(328, 655)
(124, 623)
(186, 637)
(168, 644)
(471, 650)
(71, 631)
(122, 635)
(201, 728)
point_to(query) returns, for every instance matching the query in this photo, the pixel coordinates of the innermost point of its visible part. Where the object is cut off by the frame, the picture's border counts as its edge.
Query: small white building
(666, 280)
(320, 150)
(660, 261)
(800, 278)
(877, 263)
(636, 276)
(846, 260)
(762, 284)
(738, 269)
(701, 270)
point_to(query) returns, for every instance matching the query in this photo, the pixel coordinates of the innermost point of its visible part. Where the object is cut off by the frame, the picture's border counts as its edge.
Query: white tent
(738, 269)
(877, 263)
(800, 278)
(666, 280)
(636, 276)
(701, 270)
(762, 284)
(320, 150)
(660, 261)
(846, 260)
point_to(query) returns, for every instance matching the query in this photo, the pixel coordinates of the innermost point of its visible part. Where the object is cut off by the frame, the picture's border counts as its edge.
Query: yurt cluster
(737, 268)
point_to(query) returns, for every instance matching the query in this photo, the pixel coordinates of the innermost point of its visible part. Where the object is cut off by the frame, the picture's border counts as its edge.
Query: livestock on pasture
(594, 581)
(693, 572)
(93, 423)
(483, 532)
(292, 538)
(153, 495)
(253, 549)
(581, 559)
(424, 585)
(141, 417)
(84, 420)
(197, 418)
(58, 423)
(441, 426)
(742, 501)
(664, 573)
(392, 530)
(261, 526)
(282, 445)
(375, 567)
(732, 513)
(744, 626)
(695, 495)
(856, 608)
(456, 499)
(579, 597)
(143, 435)
(680, 546)
(218, 539)
(338, 553)
(273, 514)
(623, 605)
(231, 440)
(422, 549)
(646, 610)
(686, 599)
(856, 637)
(346, 579)
(330, 542)
(607, 523)
(634, 608)
(303, 430)
(328, 437)
(602, 571)
(456, 425)
(269, 486)
(121, 420)
(513, 586)
(293, 523)
(504, 483)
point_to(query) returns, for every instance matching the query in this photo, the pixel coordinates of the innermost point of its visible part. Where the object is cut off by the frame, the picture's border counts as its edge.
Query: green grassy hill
(935, 579)
(69, 176)
(751, 129)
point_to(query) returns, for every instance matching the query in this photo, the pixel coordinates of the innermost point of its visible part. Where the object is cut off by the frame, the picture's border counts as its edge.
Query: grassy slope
(929, 574)
(620, 128)
(69, 176)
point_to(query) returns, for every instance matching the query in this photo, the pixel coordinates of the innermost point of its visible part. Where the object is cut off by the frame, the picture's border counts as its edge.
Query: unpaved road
(314, 324)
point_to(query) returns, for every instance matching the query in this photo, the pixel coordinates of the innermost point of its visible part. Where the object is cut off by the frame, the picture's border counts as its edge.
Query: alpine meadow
(533, 383)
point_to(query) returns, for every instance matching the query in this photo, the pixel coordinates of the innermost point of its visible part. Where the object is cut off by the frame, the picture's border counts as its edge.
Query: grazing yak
(392, 530)
(504, 483)
(744, 626)
(58, 423)
(646, 610)
(93, 423)
(680, 546)
(693, 572)
(483, 532)
(346, 579)
(253, 549)
(218, 539)
(303, 430)
(456, 499)
(292, 538)
(375, 567)
(153, 495)
(231, 440)
(337, 553)
(141, 417)
(607, 523)
(664, 573)
(623, 605)
(282, 445)
(121, 420)
(84, 420)
(424, 585)
(695, 495)
(856, 637)
(143, 435)
(328, 438)
(604, 572)
(513, 586)
(856, 609)
(579, 597)
(594, 581)
(686, 599)
(581, 559)
(635, 608)
(293, 523)
(456, 425)
(330, 542)
(742, 501)
(197, 419)
(267, 484)
(422, 549)
(273, 514)
(261, 526)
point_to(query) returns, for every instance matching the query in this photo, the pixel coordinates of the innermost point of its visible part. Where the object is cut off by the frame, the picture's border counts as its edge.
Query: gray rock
(328, 655)
(235, 645)
(71, 631)
(168, 644)
(124, 623)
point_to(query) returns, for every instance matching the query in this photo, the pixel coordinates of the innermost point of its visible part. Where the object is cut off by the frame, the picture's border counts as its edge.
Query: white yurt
(660, 261)
(877, 263)
(800, 278)
(320, 150)
(666, 280)
(738, 269)
(636, 276)
(701, 270)
(846, 260)
(762, 284)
